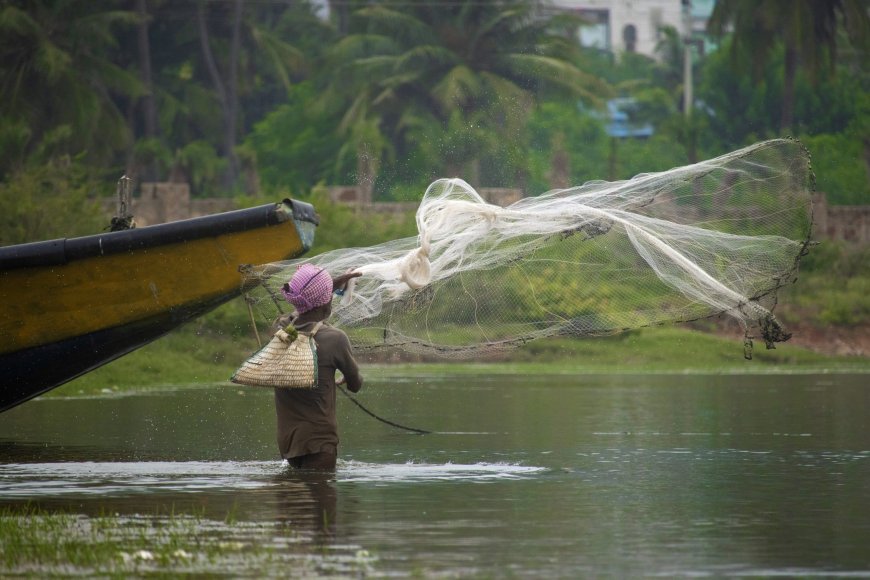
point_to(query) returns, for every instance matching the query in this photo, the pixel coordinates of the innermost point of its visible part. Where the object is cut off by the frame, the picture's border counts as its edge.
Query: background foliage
(260, 97)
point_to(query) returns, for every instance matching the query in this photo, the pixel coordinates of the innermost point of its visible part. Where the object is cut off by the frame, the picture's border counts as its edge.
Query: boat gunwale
(64, 250)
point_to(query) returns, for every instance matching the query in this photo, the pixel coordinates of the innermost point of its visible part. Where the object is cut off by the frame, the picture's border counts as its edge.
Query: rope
(381, 419)
(339, 383)
(248, 301)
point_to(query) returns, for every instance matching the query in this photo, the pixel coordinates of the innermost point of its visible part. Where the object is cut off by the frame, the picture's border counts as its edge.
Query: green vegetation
(47, 202)
(833, 288)
(37, 542)
(262, 98)
(661, 350)
(806, 35)
(33, 537)
(837, 162)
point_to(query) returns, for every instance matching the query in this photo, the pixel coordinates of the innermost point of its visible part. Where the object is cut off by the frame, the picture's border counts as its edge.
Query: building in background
(619, 26)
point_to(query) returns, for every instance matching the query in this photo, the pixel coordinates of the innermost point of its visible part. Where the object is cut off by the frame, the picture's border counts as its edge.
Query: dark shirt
(306, 417)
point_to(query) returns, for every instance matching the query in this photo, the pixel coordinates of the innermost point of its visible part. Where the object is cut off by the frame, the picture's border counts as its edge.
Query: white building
(634, 25)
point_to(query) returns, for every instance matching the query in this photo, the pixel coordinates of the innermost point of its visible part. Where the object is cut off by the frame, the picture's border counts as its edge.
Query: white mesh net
(717, 237)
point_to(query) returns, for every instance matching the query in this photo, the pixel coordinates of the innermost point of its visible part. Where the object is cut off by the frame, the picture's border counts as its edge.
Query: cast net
(719, 237)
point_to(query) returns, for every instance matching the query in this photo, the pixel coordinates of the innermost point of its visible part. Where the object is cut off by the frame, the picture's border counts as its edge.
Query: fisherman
(307, 427)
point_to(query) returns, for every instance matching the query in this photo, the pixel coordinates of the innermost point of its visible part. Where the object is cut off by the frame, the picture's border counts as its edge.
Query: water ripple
(33, 480)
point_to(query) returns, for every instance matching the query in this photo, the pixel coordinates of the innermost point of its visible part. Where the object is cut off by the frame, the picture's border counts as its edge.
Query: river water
(556, 476)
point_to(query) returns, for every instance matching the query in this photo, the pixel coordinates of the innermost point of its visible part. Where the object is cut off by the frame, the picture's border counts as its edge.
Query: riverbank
(192, 355)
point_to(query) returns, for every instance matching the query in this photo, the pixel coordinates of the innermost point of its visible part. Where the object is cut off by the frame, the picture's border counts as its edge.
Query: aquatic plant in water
(37, 541)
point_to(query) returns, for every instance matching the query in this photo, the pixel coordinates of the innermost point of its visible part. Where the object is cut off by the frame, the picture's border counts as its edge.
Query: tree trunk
(787, 118)
(474, 172)
(147, 102)
(227, 92)
(559, 176)
(232, 89)
(612, 159)
(692, 134)
(367, 166)
(340, 12)
(149, 107)
(867, 155)
(130, 166)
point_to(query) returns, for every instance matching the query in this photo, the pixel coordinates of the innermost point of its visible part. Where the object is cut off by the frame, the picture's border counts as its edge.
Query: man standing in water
(307, 427)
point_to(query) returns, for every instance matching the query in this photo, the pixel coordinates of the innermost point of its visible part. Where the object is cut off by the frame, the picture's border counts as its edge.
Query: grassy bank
(198, 353)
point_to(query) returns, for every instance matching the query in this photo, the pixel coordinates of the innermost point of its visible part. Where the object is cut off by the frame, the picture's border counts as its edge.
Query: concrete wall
(847, 223)
(159, 203)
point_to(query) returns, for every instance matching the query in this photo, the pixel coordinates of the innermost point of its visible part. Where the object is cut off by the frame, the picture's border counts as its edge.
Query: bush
(841, 172)
(56, 200)
(296, 145)
(833, 288)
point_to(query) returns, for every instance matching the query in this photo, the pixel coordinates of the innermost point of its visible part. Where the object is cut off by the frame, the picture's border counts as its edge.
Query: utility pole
(687, 57)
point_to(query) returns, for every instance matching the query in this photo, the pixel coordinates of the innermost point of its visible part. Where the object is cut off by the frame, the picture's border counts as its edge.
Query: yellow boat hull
(69, 306)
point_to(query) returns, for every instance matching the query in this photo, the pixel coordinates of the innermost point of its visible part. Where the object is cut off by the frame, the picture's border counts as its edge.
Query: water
(559, 476)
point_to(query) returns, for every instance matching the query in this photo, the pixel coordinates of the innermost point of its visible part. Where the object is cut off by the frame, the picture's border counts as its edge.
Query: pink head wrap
(309, 288)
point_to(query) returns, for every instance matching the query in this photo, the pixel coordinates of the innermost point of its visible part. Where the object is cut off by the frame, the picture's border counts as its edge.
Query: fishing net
(719, 237)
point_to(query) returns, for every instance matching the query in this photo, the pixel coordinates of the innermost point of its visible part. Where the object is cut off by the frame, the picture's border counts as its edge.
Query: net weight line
(381, 419)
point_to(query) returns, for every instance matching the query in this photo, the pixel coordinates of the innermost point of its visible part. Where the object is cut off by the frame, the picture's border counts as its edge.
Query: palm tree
(225, 83)
(217, 68)
(282, 60)
(58, 82)
(806, 29)
(405, 66)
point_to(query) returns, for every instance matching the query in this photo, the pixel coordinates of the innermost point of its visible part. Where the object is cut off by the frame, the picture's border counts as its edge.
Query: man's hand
(340, 282)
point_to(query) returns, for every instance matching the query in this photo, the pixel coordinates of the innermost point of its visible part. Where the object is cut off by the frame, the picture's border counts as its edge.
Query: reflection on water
(35, 480)
(547, 476)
